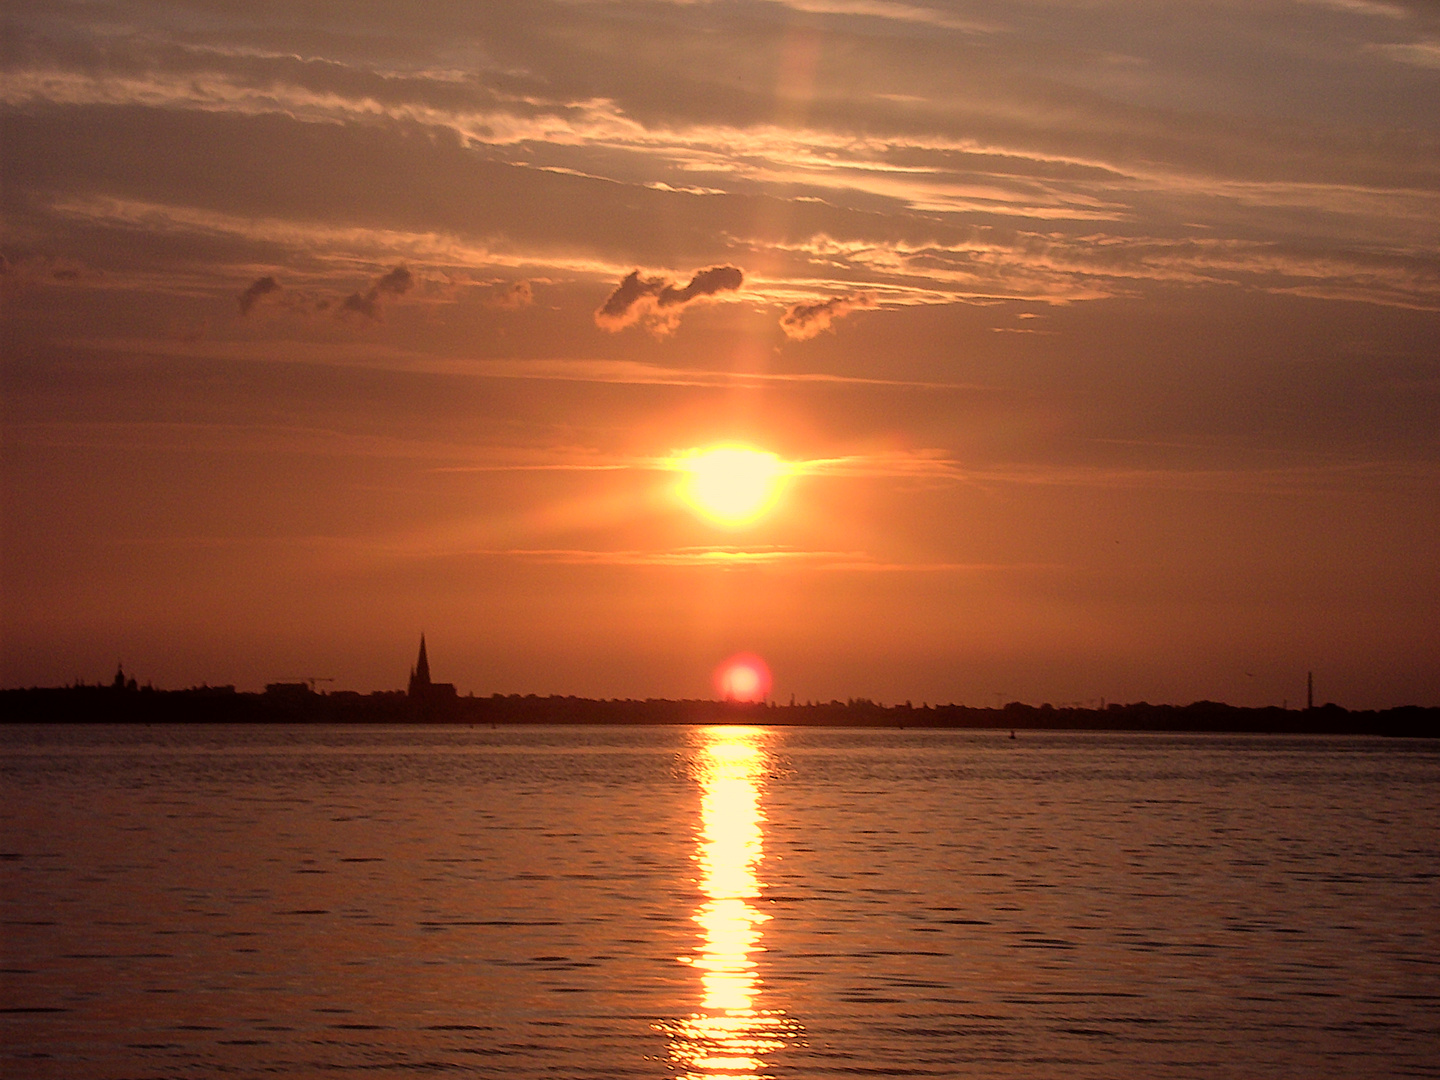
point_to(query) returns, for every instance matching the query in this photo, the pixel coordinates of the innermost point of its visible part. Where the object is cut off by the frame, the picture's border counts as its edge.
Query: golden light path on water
(732, 1035)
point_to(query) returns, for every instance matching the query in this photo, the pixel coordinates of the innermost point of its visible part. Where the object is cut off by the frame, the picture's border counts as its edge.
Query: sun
(730, 485)
(743, 677)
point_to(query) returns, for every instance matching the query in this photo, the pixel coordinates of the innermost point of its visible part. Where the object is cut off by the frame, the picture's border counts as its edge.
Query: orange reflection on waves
(731, 1037)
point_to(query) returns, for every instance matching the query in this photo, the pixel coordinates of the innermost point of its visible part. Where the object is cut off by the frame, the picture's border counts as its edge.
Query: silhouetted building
(422, 689)
(288, 691)
(120, 682)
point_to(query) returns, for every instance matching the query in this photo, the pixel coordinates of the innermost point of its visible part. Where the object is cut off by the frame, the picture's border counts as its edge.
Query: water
(670, 902)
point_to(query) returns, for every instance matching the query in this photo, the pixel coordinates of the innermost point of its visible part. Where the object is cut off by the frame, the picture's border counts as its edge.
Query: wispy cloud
(918, 464)
(337, 247)
(1425, 54)
(934, 167)
(740, 558)
(1372, 8)
(379, 356)
(883, 464)
(898, 12)
(1053, 268)
(1349, 476)
(1139, 173)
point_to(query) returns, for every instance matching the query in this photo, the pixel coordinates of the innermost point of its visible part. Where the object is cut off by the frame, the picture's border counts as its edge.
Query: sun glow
(731, 485)
(744, 677)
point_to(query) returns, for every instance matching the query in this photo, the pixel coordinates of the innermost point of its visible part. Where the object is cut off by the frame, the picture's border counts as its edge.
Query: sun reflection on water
(731, 1037)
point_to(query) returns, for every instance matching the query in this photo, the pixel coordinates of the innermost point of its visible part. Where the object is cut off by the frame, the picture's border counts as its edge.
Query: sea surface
(570, 902)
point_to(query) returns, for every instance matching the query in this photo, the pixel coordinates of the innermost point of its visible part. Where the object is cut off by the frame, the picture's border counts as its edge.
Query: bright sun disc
(744, 677)
(731, 485)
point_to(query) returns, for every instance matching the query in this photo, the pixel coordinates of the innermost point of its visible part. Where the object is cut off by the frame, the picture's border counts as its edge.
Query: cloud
(920, 182)
(802, 321)
(887, 9)
(397, 282)
(367, 305)
(706, 282)
(375, 357)
(730, 558)
(1363, 7)
(623, 305)
(517, 294)
(1425, 54)
(260, 287)
(39, 270)
(657, 303)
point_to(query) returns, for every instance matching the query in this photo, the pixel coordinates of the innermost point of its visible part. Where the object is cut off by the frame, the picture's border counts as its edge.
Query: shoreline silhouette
(293, 703)
(424, 701)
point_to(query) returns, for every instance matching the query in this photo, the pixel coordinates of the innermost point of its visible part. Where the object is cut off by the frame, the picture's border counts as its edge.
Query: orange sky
(1102, 339)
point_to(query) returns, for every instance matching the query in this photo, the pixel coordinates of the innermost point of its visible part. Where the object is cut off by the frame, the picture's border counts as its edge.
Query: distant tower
(1309, 689)
(420, 673)
(119, 682)
(434, 700)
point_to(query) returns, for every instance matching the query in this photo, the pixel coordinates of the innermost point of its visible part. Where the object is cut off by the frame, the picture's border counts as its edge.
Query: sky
(1097, 343)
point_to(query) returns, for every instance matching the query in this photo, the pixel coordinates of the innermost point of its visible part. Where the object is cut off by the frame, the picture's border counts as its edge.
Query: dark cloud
(394, 282)
(397, 282)
(517, 294)
(29, 271)
(657, 302)
(706, 282)
(260, 287)
(366, 305)
(623, 305)
(802, 321)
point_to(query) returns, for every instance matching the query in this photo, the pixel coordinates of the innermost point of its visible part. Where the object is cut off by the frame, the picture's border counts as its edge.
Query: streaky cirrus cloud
(802, 321)
(1362, 7)
(1423, 54)
(656, 302)
(724, 556)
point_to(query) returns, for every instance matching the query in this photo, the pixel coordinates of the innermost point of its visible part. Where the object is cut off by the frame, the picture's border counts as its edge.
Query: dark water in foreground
(585, 902)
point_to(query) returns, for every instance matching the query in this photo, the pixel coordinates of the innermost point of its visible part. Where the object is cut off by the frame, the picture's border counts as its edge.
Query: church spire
(432, 700)
(420, 677)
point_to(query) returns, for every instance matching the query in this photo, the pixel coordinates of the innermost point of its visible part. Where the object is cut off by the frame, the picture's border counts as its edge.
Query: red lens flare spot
(744, 677)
